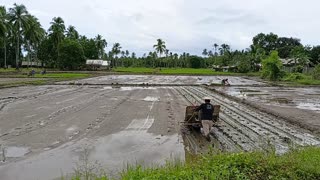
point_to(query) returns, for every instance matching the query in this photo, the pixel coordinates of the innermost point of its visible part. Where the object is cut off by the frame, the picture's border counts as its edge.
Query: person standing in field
(206, 116)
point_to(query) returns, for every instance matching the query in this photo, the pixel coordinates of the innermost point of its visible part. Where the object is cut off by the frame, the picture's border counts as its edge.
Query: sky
(185, 25)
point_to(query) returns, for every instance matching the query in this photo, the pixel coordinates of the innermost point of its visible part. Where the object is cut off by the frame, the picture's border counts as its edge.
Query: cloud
(185, 25)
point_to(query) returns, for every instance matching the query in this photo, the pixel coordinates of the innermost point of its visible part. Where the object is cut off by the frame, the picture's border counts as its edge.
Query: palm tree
(18, 16)
(72, 33)
(3, 28)
(116, 49)
(34, 34)
(160, 47)
(224, 48)
(101, 44)
(215, 45)
(56, 32)
(4, 31)
(127, 53)
(205, 52)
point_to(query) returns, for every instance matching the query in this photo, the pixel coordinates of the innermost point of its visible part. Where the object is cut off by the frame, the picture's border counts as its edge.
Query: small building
(30, 64)
(225, 68)
(95, 64)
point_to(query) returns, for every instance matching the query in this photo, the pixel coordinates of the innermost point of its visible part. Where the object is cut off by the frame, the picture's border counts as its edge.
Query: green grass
(63, 75)
(172, 71)
(297, 164)
(300, 79)
(39, 79)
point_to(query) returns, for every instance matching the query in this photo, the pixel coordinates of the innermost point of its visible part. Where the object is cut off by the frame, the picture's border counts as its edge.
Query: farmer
(225, 82)
(206, 116)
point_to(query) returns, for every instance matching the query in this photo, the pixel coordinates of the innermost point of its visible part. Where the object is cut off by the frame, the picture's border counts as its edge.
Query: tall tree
(224, 48)
(34, 34)
(3, 28)
(4, 31)
(215, 45)
(18, 16)
(101, 44)
(205, 52)
(116, 49)
(56, 33)
(160, 47)
(72, 33)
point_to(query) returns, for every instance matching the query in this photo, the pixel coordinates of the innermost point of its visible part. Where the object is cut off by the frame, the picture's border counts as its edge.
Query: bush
(297, 69)
(271, 67)
(316, 72)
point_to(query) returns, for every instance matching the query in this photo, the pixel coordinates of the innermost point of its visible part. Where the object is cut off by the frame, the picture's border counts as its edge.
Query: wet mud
(47, 131)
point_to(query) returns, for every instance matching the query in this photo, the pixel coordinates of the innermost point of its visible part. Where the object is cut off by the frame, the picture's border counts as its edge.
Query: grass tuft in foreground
(297, 164)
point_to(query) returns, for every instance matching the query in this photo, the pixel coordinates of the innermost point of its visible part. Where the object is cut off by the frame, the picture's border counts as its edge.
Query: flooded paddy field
(298, 105)
(163, 80)
(46, 131)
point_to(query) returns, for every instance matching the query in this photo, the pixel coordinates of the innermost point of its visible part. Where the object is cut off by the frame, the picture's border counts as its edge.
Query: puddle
(107, 87)
(151, 99)
(309, 106)
(134, 88)
(15, 152)
(134, 145)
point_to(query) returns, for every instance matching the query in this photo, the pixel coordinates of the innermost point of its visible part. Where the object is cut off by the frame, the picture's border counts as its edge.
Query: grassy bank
(297, 164)
(175, 71)
(300, 79)
(21, 79)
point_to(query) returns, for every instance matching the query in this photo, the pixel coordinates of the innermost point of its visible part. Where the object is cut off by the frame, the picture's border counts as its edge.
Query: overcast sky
(185, 25)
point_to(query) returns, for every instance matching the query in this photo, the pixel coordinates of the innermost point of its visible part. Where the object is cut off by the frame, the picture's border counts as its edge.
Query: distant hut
(96, 64)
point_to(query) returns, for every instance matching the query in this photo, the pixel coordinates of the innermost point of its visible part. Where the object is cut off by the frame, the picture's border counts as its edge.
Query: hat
(207, 98)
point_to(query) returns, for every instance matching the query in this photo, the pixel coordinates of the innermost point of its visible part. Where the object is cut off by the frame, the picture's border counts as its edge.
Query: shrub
(297, 69)
(316, 72)
(271, 67)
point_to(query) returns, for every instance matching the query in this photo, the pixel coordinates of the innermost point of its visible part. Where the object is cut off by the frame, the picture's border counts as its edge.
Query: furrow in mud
(226, 141)
(260, 119)
(243, 127)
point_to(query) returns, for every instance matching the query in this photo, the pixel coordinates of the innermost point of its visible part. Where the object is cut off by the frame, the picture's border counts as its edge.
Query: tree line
(63, 47)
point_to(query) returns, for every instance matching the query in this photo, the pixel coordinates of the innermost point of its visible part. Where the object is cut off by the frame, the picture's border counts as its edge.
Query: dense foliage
(21, 32)
(271, 67)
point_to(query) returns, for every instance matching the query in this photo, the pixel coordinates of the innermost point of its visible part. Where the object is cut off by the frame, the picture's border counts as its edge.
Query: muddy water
(151, 79)
(301, 98)
(110, 127)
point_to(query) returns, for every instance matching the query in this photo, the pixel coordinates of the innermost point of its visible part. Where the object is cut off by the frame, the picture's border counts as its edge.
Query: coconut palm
(160, 47)
(101, 44)
(116, 49)
(205, 52)
(127, 53)
(18, 16)
(72, 33)
(215, 45)
(3, 28)
(56, 32)
(34, 34)
(224, 48)
(4, 31)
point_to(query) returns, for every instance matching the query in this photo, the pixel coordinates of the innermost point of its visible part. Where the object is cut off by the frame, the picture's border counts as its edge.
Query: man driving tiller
(206, 116)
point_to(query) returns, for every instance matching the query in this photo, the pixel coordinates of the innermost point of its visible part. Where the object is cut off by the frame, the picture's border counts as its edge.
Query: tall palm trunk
(18, 47)
(5, 53)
